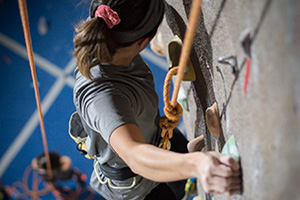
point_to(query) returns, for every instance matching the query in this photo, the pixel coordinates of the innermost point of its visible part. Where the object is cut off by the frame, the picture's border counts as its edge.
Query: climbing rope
(172, 109)
(50, 186)
(39, 188)
(21, 190)
(25, 24)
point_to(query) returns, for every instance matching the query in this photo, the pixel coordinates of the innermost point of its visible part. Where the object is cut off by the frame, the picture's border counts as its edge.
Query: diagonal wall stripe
(32, 123)
(40, 62)
(30, 126)
(70, 66)
(64, 77)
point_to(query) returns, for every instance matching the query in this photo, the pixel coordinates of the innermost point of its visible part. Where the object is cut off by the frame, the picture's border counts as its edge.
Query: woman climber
(118, 107)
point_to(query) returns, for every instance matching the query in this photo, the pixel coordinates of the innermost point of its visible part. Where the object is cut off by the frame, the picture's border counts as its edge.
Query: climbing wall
(246, 58)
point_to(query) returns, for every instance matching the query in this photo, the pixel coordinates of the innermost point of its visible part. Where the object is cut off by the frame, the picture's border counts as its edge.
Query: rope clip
(230, 60)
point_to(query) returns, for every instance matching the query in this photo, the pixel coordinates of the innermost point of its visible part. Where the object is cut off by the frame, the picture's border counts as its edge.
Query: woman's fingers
(229, 161)
(224, 165)
(222, 170)
(221, 174)
(226, 160)
(225, 182)
(219, 169)
(232, 192)
(218, 185)
(217, 189)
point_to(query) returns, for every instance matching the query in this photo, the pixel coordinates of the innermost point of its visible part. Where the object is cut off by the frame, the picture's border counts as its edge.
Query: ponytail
(98, 39)
(93, 45)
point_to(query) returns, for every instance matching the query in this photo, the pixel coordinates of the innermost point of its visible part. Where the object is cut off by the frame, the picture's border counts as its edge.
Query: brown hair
(94, 41)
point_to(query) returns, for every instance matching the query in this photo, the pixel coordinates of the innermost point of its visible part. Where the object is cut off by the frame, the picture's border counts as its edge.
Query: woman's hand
(219, 174)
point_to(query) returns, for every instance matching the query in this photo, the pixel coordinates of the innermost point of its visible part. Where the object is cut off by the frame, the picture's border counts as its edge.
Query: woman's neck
(122, 60)
(124, 56)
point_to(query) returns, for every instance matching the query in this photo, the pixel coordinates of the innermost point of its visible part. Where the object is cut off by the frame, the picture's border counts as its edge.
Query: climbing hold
(212, 119)
(157, 45)
(196, 144)
(182, 99)
(246, 42)
(174, 49)
(231, 149)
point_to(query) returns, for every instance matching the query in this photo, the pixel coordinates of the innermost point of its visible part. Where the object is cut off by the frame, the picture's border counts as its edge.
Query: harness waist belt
(116, 174)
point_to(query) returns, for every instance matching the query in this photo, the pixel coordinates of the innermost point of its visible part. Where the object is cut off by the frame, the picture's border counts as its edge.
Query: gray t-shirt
(118, 95)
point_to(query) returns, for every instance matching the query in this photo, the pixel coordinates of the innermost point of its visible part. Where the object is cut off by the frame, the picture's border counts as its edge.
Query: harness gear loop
(105, 180)
(77, 133)
(173, 110)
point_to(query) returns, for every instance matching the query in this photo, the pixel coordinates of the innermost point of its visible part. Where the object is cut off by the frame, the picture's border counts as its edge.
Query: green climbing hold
(231, 149)
(182, 99)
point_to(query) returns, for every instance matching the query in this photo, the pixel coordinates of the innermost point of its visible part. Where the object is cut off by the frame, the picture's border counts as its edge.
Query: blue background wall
(19, 126)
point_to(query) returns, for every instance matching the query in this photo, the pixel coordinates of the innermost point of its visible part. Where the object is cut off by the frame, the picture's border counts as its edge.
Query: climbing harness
(172, 109)
(77, 133)
(105, 180)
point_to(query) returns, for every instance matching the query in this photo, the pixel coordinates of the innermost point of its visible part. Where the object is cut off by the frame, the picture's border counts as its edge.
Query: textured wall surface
(266, 119)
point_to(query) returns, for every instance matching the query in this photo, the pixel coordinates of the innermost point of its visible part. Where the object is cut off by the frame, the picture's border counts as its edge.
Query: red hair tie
(110, 17)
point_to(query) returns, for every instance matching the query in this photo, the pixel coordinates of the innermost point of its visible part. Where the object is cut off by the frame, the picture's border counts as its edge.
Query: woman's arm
(217, 173)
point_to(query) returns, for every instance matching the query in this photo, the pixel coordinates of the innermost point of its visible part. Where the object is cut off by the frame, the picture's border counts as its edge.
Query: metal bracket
(230, 60)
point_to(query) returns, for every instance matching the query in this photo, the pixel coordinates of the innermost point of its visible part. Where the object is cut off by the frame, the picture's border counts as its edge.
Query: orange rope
(25, 23)
(22, 190)
(172, 109)
(187, 46)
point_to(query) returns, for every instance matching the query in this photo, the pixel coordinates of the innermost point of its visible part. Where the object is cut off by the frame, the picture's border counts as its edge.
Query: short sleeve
(109, 110)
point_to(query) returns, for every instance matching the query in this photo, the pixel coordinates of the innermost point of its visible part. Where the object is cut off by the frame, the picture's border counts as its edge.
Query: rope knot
(170, 120)
(173, 113)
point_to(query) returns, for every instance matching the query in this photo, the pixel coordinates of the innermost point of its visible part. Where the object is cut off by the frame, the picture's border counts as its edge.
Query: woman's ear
(143, 42)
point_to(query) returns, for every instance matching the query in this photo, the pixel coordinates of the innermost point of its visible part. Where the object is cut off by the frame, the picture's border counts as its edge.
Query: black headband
(152, 18)
(94, 5)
